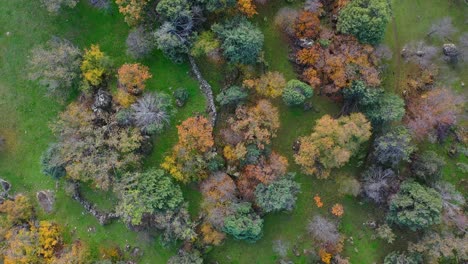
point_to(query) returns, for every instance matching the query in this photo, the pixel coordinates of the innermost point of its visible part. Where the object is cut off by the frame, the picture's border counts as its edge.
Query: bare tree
(152, 112)
(281, 247)
(420, 53)
(379, 183)
(140, 42)
(442, 28)
(324, 230)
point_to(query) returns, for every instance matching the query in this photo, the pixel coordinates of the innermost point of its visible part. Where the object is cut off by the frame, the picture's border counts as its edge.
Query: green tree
(428, 167)
(244, 224)
(146, 193)
(278, 195)
(51, 162)
(415, 206)
(393, 147)
(365, 19)
(296, 92)
(241, 41)
(231, 96)
(186, 257)
(169, 9)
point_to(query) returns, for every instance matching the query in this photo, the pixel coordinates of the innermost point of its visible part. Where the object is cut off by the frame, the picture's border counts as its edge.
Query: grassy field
(27, 112)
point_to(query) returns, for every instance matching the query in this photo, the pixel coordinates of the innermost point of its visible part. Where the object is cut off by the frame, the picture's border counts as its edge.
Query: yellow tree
(332, 143)
(94, 66)
(270, 84)
(132, 10)
(247, 7)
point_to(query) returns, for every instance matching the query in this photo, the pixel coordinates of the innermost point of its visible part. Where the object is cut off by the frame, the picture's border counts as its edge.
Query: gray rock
(6, 186)
(102, 101)
(46, 200)
(450, 50)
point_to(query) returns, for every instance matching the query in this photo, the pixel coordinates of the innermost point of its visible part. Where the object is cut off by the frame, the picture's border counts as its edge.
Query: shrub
(365, 19)
(54, 6)
(186, 257)
(415, 206)
(323, 230)
(296, 92)
(94, 67)
(152, 112)
(241, 41)
(52, 163)
(231, 96)
(181, 96)
(270, 84)
(396, 257)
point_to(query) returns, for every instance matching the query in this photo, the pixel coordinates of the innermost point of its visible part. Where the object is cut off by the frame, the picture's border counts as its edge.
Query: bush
(365, 19)
(393, 147)
(186, 257)
(241, 41)
(140, 42)
(231, 96)
(94, 68)
(427, 167)
(415, 206)
(181, 96)
(54, 6)
(124, 117)
(296, 92)
(402, 258)
(152, 112)
(278, 195)
(52, 163)
(169, 9)
(170, 43)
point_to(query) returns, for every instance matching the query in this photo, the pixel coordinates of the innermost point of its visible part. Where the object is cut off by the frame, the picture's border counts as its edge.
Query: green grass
(27, 112)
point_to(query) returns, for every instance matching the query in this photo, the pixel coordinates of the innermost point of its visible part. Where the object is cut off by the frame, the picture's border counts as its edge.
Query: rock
(6, 186)
(296, 146)
(450, 50)
(102, 101)
(46, 200)
(136, 252)
(306, 43)
(405, 53)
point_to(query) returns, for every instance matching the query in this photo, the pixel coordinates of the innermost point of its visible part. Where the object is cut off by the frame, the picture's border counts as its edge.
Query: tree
(244, 224)
(278, 195)
(285, 20)
(307, 25)
(54, 6)
(140, 42)
(393, 147)
(21, 246)
(442, 28)
(94, 148)
(365, 19)
(337, 210)
(348, 185)
(257, 124)
(379, 183)
(56, 66)
(265, 171)
(210, 235)
(205, 44)
(379, 107)
(428, 167)
(270, 84)
(152, 112)
(415, 206)
(173, 45)
(241, 41)
(169, 9)
(144, 193)
(231, 96)
(18, 211)
(246, 7)
(52, 163)
(94, 67)
(186, 257)
(396, 257)
(323, 230)
(332, 143)
(188, 161)
(435, 109)
(445, 246)
(452, 204)
(296, 92)
(132, 77)
(132, 10)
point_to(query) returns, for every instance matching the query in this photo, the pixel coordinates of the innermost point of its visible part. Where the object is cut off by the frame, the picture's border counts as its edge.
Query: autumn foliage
(307, 25)
(247, 7)
(270, 84)
(332, 143)
(318, 201)
(337, 210)
(132, 10)
(132, 77)
(325, 256)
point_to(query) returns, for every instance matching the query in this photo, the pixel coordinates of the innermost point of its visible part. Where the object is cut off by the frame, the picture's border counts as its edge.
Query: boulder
(102, 101)
(450, 50)
(6, 186)
(46, 200)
